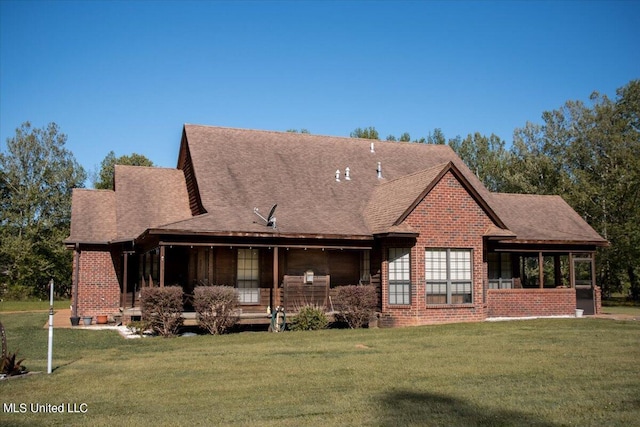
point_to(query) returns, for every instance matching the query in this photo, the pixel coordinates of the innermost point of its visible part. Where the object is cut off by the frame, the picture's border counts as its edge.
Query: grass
(541, 372)
(620, 305)
(32, 305)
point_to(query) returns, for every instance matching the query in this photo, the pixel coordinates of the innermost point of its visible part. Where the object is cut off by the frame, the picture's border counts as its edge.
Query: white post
(50, 352)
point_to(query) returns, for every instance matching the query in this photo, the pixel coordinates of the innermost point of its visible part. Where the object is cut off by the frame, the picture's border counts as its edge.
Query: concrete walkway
(62, 319)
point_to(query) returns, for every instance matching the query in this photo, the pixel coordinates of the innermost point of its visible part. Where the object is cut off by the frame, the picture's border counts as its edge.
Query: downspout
(76, 278)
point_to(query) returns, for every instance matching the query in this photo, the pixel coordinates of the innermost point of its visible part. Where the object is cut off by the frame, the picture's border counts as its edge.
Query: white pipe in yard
(50, 351)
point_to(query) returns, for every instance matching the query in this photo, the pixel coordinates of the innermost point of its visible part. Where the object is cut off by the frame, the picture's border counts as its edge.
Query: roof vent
(373, 150)
(379, 170)
(338, 175)
(347, 174)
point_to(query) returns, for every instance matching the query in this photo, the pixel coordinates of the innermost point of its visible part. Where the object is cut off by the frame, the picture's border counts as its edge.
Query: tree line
(589, 153)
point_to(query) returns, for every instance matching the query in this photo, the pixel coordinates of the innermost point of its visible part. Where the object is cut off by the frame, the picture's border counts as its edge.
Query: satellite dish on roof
(270, 220)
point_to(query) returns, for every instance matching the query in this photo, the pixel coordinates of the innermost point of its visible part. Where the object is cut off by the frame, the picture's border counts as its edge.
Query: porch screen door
(248, 286)
(583, 281)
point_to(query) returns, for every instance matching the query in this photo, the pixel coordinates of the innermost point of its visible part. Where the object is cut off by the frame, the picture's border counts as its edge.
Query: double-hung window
(448, 276)
(248, 286)
(399, 276)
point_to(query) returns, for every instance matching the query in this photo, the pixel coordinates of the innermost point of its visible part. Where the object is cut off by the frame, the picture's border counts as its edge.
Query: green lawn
(620, 305)
(538, 372)
(32, 305)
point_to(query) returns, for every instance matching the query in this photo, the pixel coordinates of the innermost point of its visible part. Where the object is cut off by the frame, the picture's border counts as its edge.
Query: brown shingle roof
(144, 197)
(93, 216)
(538, 218)
(239, 169)
(148, 197)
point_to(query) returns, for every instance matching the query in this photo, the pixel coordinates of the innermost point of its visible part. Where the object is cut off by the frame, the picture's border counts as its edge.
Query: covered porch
(541, 280)
(265, 273)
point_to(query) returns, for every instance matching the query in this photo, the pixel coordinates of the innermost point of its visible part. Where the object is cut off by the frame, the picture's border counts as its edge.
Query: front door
(583, 284)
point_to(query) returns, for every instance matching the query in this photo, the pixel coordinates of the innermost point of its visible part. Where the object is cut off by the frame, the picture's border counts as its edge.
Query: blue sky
(125, 76)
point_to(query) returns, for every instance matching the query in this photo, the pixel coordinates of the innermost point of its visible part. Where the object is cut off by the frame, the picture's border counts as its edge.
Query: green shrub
(356, 304)
(216, 308)
(16, 292)
(162, 309)
(309, 318)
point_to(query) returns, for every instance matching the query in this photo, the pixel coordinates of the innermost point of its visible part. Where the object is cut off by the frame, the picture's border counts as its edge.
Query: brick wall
(448, 217)
(531, 302)
(98, 286)
(597, 294)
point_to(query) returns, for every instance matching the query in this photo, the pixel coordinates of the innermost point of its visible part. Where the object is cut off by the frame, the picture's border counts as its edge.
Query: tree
(590, 154)
(37, 176)
(367, 133)
(437, 137)
(486, 157)
(104, 180)
(303, 130)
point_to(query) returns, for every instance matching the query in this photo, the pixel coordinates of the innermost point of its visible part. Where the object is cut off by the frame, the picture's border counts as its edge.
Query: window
(499, 270)
(365, 266)
(248, 286)
(448, 276)
(399, 276)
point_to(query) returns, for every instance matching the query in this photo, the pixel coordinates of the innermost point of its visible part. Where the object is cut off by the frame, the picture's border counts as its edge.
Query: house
(286, 218)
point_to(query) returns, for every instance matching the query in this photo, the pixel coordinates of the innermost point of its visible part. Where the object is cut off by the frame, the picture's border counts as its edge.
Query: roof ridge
(314, 135)
(146, 167)
(499, 193)
(439, 166)
(95, 190)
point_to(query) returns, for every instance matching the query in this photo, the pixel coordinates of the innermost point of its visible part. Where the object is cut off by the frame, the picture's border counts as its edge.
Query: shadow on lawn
(404, 407)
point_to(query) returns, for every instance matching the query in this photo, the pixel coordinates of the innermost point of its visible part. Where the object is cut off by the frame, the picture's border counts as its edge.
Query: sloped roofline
(451, 167)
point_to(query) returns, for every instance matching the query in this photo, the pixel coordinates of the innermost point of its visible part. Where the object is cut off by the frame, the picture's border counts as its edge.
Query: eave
(259, 235)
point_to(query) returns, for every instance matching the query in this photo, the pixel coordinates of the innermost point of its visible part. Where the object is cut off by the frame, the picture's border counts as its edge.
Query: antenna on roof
(270, 220)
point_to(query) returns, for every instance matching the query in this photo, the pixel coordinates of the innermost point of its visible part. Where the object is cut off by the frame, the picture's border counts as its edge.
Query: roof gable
(238, 170)
(392, 202)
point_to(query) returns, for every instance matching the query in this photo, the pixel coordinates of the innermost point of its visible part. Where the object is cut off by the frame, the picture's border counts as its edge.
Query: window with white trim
(399, 276)
(248, 284)
(448, 276)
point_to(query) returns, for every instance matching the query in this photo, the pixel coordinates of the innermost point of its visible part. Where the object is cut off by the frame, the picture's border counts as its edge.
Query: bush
(162, 309)
(309, 318)
(356, 304)
(16, 292)
(216, 308)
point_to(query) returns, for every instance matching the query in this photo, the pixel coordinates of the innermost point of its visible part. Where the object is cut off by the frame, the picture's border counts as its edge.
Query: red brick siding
(598, 299)
(531, 302)
(448, 217)
(98, 286)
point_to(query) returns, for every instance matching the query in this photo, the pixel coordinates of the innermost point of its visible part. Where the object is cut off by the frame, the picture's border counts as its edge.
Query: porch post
(275, 275)
(557, 270)
(162, 247)
(593, 281)
(572, 273)
(125, 275)
(541, 269)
